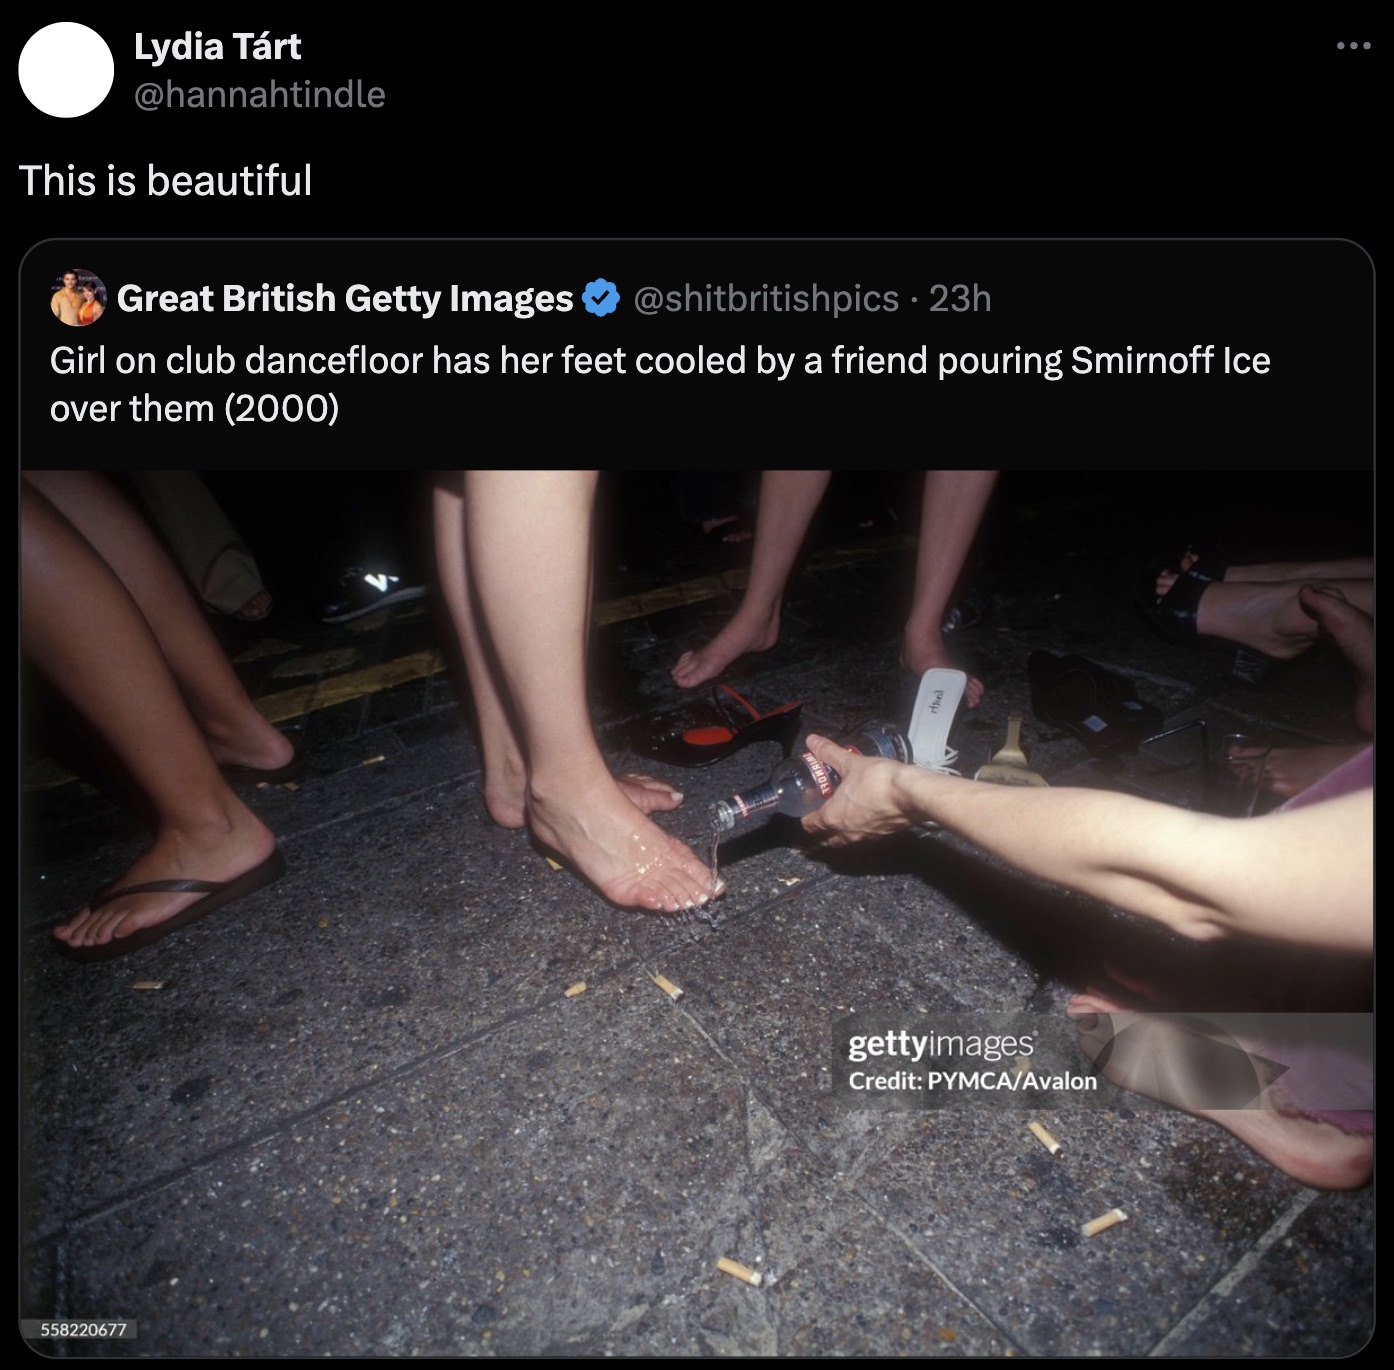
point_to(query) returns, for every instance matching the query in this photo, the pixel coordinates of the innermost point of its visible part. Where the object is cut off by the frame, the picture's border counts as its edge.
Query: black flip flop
(1101, 709)
(298, 764)
(217, 895)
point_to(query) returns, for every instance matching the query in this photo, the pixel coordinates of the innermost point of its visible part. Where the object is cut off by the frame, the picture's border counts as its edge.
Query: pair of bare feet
(756, 629)
(215, 839)
(1160, 1056)
(1284, 617)
(600, 824)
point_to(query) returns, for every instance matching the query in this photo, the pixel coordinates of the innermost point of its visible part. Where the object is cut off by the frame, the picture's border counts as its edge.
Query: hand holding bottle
(876, 798)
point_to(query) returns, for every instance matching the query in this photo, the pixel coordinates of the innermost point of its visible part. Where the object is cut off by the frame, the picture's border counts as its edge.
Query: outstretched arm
(1301, 876)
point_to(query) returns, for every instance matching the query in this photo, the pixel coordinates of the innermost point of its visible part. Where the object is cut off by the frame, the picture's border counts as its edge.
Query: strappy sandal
(1175, 616)
(687, 742)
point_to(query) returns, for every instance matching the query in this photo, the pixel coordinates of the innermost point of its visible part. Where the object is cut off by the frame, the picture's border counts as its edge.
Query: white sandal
(936, 706)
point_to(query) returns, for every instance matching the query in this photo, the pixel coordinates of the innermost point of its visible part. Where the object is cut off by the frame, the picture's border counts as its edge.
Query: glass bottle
(803, 783)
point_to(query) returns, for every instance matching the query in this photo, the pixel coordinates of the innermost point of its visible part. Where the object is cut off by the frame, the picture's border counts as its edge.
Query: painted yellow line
(302, 700)
(324, 694)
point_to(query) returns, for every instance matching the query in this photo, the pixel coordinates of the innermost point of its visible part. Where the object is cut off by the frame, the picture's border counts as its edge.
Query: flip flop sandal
(1101, 709)
(686, 742)
(1175, 616)
(217, 895)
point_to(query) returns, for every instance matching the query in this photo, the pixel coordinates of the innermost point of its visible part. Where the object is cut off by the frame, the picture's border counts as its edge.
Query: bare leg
(85, 633)
(534, 610)
(505, 768)
(1267, 616)
(788, 501)
(235, 731)
(954, 504)
(1154, 1062)
(1343, 568)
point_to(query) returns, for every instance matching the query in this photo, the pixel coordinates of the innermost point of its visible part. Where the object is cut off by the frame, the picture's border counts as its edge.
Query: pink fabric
(1356, 774)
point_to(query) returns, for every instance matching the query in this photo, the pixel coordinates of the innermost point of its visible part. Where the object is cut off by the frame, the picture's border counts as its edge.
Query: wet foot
(597, 828)
(926, 653)
(1353, 631)
(1155, 1055)
(754, 632)
(1287, 771)
(218, 851)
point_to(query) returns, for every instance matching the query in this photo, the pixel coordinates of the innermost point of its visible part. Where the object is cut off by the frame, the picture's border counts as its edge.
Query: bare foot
(253, 742)
(1158, 1056)
(1264, 616)
(1287, 771)
(648, 794)
(256, 608)
(755, 631)
(215, 852)
(1353, 631)
(927, 653)
(505, 797)
(627, 857)
(737, 533)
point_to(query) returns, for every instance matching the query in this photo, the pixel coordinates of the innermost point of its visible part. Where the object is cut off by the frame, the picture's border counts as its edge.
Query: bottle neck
(741, 809)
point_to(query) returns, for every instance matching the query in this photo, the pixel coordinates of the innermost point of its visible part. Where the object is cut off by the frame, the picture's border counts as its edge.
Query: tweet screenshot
(689, 905)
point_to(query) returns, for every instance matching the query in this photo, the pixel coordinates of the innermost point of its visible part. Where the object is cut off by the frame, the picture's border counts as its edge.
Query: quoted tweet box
(1081, 354)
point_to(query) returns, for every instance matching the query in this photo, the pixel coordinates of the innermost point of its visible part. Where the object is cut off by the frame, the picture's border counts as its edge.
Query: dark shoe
(278, 775)
(1176, 614)
(219, 894)
(968, 612)
(686, 740)
(1101, 709)
(359, 591)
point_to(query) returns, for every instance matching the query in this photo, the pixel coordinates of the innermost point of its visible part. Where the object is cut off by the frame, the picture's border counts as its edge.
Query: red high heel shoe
(689, 743)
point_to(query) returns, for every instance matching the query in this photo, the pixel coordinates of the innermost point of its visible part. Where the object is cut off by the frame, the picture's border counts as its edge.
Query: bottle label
(822, 776)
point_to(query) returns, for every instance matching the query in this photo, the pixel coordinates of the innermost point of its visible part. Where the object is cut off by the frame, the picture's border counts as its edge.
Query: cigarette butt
(373, 760)
(1097, 1225)
(1045, 1139)
(667, 986)
(742, 1272)
(578, 988)
(148, 984)
(292, 785)
(555, 865)
(263, 784)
